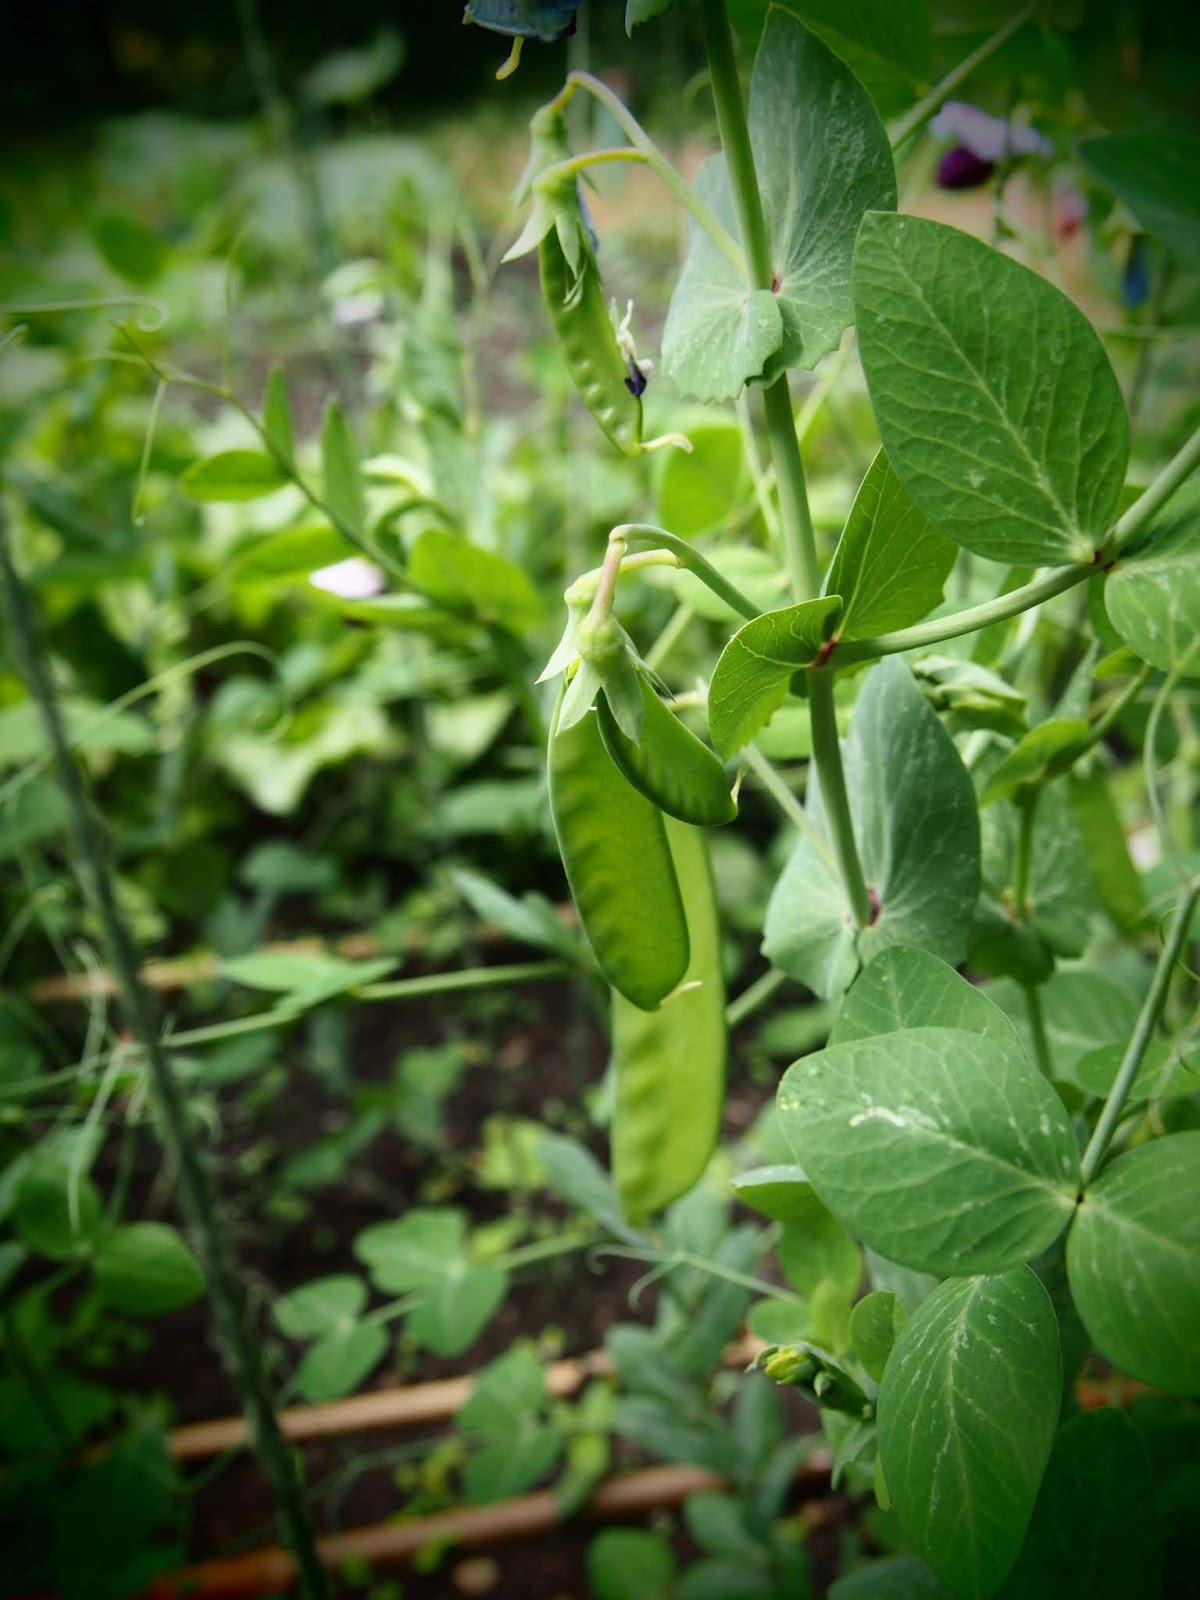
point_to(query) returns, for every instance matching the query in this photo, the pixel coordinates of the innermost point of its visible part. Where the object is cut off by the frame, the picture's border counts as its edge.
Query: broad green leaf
(1043, 753)
(885, 43)
(893, 1578)
(56, 1211)
(942, 1150)
(699, 489)
(916, 825)
(232, 475)
(819, 1250)
(457, 1308)
(130, 250)
(342, 471)
(1133, 1260)
(905, 988)
(967, 1411)
(876, 1322)
(1156, 172)
(277, 414)
(995, 401)
(750, 680)
(466, 578)
(340, 1360)
(145, 1268)
(669, 1064)
(499, 1471)
(630, 1564)
(719, 336)
(1152, 595)
(291, 554)
(1095, 1532)
(507, 1396)
(318, 1307)
(891, 562)
(781, 1192)
(823, 159)
(415, 1253)
(1115, 879)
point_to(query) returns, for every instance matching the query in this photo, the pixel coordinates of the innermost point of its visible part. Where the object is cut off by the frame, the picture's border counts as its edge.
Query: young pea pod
(669, 1064)
(607, 379)
(668, 763)
(614, 847)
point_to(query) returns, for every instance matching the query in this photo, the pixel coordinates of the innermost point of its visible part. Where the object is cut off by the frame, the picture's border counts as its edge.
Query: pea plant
(1022, 1202)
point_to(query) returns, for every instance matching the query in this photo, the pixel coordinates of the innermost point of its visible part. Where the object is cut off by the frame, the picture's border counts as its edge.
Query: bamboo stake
(270, 1569)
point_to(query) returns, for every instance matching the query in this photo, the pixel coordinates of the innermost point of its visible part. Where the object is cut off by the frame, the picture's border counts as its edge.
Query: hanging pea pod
(669, 1064)
(614, 847)
(609, 380)
(668, 763)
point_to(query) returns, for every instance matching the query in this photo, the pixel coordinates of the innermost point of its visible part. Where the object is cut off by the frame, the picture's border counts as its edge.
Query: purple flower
(986, 137)
(960, 168)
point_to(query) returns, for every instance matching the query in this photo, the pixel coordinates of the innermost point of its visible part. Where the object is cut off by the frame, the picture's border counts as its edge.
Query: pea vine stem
(796, 527)
(649, 152)
(1146, 1023)
(235, 1333)
(918, 115)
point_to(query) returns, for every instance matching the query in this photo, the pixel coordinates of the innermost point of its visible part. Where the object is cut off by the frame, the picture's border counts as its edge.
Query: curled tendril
(153, 317)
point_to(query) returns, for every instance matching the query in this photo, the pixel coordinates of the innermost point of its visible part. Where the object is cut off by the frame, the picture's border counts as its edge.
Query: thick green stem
(1037, 1027)
(1143, 1029)
(827, 757)
(235, 1333)
(1023, 862)
(799, 543)
(968, 621)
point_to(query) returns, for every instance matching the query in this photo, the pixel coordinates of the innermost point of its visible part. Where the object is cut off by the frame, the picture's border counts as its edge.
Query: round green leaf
(340, 1360)
(893, 1578)
(995, 401)
(876, 1322)
(55, 1212)
(698, 490)
(456, 1311)
(318, 1307)
(905, 988)
(233, 475)
(819, 1251)
(1133, 1261)
(1094, 1533)
(145, 1269)
(941, 1150)
(967, 1411)
(630, 1564)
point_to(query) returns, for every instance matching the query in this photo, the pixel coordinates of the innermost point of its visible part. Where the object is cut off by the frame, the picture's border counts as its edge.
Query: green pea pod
(614, 847)
(588, 341)
(669, 764)
(669, 1064)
